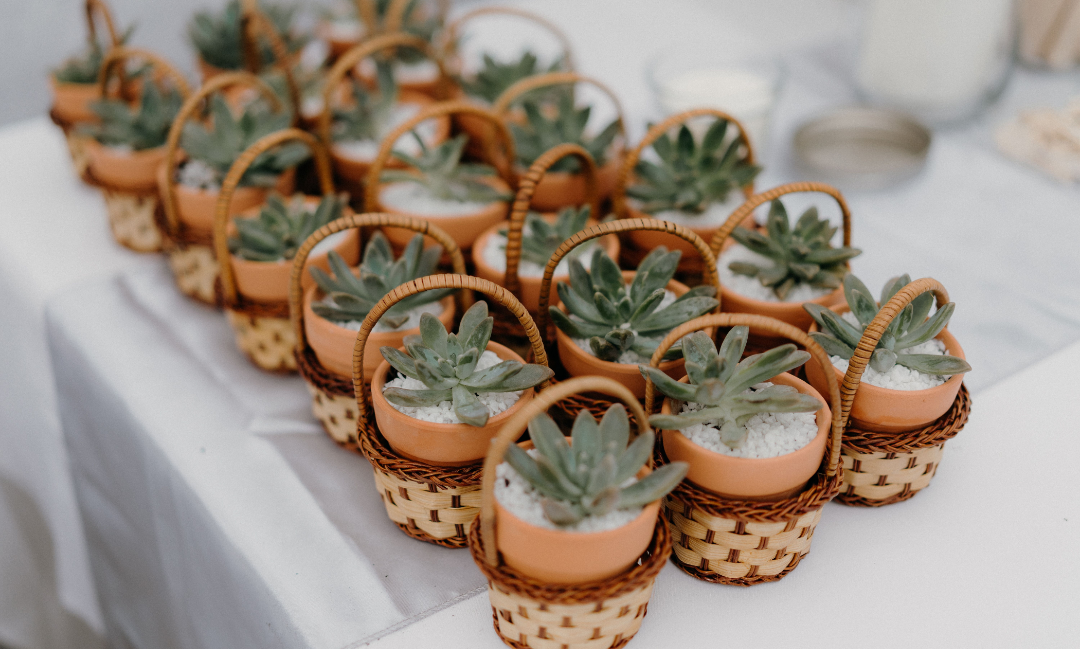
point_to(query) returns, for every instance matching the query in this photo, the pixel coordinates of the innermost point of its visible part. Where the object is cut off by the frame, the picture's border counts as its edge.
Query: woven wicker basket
(263, 330)
(598, 404)
(528, 613)
(430, 503)
(333, 396)
(886, 468)
(191, 252)
(133, 213)
(744, 542)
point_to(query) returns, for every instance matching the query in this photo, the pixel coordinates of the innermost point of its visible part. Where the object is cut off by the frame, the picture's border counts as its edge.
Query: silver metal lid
(863, 148)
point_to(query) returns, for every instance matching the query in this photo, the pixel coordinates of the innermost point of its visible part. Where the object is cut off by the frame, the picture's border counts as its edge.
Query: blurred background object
(1050, 33)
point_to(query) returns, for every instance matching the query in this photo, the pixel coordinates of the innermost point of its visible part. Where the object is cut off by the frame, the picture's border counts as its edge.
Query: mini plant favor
(800, 256)
(909, 328)
(691, 175)
(213, 149)
(281, 228)
(218, 38)
(349, 297)
(541, 239)
(589, 477)
(541, 131)
(444, 176)
(496, 76)
(145, 126)
(86, 67)
(616, 318)
(721, 383)
(447, 365)
(371, 114)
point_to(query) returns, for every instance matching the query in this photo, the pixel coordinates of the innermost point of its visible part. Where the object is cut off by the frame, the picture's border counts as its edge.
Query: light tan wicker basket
(263, 330)
(191, 253)
(885, 468)
(430, 503)
(745, 542)
(528, 613)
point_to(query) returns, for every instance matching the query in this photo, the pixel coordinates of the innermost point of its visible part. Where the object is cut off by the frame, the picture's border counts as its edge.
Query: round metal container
(863, 148)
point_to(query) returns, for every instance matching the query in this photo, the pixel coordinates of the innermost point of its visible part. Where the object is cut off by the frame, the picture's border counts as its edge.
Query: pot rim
(650, 510)
(309, 297)
(482, 240)
(488, 207)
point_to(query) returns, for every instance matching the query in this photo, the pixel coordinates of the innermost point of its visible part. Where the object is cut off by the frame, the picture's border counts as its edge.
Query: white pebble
(496, 402)
(366, 150)
(198, 175)
(494, 255)
(751, 287)
(713, 217)
(899, 377)
(416, 199)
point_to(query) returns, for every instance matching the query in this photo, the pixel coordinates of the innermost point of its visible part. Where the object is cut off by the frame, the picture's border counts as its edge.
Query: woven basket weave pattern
(269, 342)
(195, 270)
(132, 220)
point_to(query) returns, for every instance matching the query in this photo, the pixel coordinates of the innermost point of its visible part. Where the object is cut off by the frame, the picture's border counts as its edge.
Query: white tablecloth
(197, 548)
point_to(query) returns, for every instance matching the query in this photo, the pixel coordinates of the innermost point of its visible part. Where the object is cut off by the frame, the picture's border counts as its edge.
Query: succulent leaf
(553, 122)
(218, 41)
(279, 229)
(440, 172)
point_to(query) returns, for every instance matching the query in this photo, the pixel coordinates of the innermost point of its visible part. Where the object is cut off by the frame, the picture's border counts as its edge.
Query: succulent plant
(349, 297)
(719, 381)
(443, 174)
(85, 67)
(281, 228)
(220, 144)
(588, 476)
(800, 256)
(616, 318)
(540, 239)
(496, 76)
(446, 364)
(691, 175)
(550, 124)
(371, 114)
(217, 36)
(909, 328)
(141, 127)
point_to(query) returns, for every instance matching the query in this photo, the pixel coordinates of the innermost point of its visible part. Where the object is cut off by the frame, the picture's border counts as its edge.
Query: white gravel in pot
(899, 377)
(713, 217)
(770, 434)
(434, 308)
(494, 255)
(523, 501)
(120, 149)
(496, 402)
(627, 357)
(366, 150)
(750, 286)
(196, 174)
(416, 199)
(422, 71)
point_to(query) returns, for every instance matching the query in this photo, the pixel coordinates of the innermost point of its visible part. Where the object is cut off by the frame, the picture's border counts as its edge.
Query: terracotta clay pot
(196, 207)
(465, 229)
(647, 240)
(745, 478)
(268, 281)
(560, 557)
(134, 171)
(557, 189)
(579, 362)
(530, 286)
(71, 101)
(438, 444)
(355, 170)
(333, 344)
(895, 411)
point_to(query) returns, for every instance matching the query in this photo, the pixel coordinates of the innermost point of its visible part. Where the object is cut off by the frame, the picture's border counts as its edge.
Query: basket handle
(755, 201)
(500, 294)
(255, 23)
(501, 161)
(118, 55)
(100, 8)
(659, 130)
(453, 30)
(187, 110)
(516, 425)
(873, 332)
(232, 180)
(614, 227)
(772, 326)
(348, 61)
(296, 291)
(523, 201)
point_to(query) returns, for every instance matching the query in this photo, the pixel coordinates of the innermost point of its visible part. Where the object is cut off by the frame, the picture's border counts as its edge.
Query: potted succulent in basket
(75, 84)
(548, 124)
(218, 40)
(335, 308)
(413, 70)
(583, 510)
(696, 184)
(916, 369)
(452, 392)
(266, 240)
(462, 198)
(776, 272)
(211, 150)
(747, 429)
(540, 238)
(606, 326)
